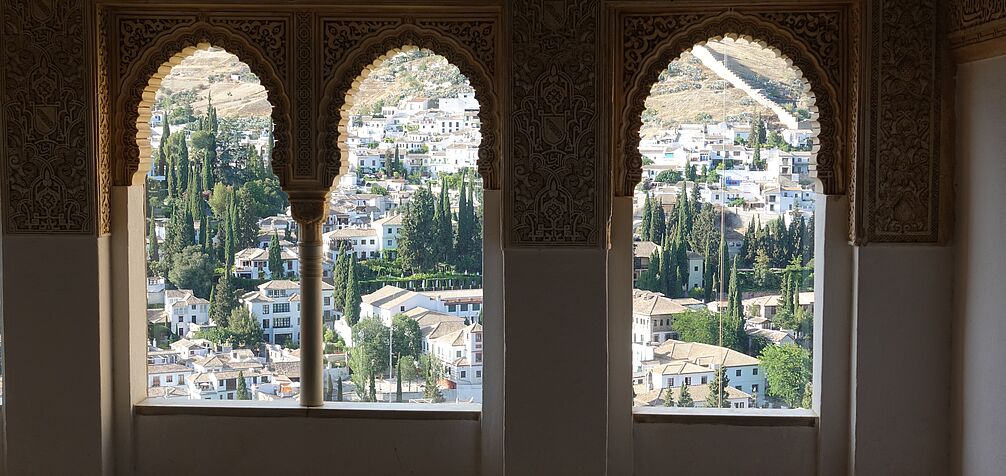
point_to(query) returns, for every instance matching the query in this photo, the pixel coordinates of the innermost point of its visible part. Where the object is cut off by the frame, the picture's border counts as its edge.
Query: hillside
(688, 92)
(212, 72)
(416, 73)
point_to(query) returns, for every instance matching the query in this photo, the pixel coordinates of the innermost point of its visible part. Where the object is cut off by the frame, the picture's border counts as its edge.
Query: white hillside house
(184, 309)
(253, 263)
(460, 352)
(675, 362)
(276, 306)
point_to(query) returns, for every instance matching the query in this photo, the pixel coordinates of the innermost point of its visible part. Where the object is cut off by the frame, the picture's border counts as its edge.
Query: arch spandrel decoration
(812, 41)
(148, 57)
(470, 45)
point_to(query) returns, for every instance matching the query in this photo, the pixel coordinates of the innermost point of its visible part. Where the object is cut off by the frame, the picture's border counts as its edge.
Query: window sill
(256, 409)
(725, 416)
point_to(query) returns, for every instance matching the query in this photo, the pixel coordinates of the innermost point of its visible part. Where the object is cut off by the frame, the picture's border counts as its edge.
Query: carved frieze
(975, 21)
(49, 182)
(556, 183)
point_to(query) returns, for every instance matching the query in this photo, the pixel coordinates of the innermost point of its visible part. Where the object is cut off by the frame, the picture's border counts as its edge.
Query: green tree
(668, 176)
(697, 326)
(761, 269)
(370, 338)
(276, 270)
(192, 269)
(244, 329)
(352, 299)
(717, 396)
(338, 390)
(243, 393)
(668, 397)
(787, 372)
(407, 338)
(416, 243)
(685, 397)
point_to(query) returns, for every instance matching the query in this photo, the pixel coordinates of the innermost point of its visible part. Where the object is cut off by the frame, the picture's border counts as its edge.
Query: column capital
(309, 209)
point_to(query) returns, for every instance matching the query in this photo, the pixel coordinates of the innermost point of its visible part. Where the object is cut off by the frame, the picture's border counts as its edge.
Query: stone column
(310, 214)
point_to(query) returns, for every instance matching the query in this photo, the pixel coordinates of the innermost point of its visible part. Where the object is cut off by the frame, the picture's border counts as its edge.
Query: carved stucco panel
(49, 182)
(902, 193)
(554, 177)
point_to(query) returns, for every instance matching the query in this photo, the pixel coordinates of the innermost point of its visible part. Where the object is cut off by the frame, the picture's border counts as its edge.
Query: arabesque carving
(901, 200)
(556, 187)
(49, 179)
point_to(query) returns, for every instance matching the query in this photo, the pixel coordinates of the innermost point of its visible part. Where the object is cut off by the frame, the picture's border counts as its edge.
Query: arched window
(722, 233)
(222, 283)
(404, 235)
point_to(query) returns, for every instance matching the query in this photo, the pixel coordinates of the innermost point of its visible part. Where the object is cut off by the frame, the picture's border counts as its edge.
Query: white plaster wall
(980, 319)
(45, 416)
(709, 450)
(199, 444)
(901, 360)
(555, 422)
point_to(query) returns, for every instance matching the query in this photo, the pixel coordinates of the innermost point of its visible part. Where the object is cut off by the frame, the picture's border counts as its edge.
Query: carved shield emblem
(553, 128)
(45, 118)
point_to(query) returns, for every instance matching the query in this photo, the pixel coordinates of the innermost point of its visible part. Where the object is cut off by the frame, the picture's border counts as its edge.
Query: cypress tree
(668, 278)
(646, 228)
(276, 270)
(684, 214)
(373, 387)
(329, 391)
(658, 223)
(223, 301)
(351, 306)
(668, 397)
(153, 248)
(733, 325)
(718, 390)
(204, 233)
(710, 270)
(685, 397)
(230, 240)
(398, 382)
(338, 390)
(444, 228)
(340, 275)
(182, 165)
(243, 393)
(162, 159)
